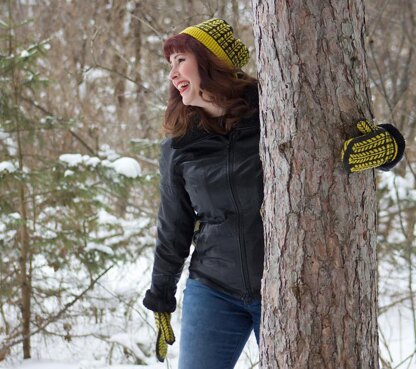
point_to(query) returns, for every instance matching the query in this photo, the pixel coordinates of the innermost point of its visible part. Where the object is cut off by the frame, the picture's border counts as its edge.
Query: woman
(211, 176)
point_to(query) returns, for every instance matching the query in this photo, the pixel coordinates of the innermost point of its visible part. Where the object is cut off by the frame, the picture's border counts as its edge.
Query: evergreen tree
(61, 224)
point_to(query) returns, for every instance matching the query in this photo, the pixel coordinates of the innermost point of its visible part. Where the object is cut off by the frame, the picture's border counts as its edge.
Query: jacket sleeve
(401, 145)
(175, 226)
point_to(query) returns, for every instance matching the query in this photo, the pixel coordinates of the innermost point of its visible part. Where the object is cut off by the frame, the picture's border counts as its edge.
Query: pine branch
(8, 344)
(45, 111)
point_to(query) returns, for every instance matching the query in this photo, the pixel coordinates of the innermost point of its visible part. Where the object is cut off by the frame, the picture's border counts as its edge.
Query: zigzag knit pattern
(372, 150)
(165, 335)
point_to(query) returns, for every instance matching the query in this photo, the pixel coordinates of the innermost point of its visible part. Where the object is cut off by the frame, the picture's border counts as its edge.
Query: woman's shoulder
(166, 149)
(166, 143)
(168, 156)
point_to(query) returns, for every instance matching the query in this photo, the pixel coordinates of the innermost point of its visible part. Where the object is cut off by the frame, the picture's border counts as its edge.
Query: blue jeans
(215, 327)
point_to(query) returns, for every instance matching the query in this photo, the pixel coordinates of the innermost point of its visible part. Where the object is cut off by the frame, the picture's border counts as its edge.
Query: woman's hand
(165, 335)
(378, 147)
(162, 309)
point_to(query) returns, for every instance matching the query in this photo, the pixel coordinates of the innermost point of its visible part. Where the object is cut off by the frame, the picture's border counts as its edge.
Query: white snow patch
(128, 167)
(24, 54)
(7, 166)
(106, 218)
(74, 160)
(102, 248)
(14, 216)
(92, 161)
(107, 152)
(153, 39)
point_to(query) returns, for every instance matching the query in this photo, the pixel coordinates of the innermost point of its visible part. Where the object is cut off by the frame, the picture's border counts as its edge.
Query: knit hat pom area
(217, 35)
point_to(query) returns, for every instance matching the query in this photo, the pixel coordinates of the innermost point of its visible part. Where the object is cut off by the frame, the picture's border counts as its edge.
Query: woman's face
(184, 75)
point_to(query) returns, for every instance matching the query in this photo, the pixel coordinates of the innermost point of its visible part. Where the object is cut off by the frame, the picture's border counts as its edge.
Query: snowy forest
(83, 89)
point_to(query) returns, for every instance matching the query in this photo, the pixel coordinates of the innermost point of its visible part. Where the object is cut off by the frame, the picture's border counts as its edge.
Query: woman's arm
(175, 227)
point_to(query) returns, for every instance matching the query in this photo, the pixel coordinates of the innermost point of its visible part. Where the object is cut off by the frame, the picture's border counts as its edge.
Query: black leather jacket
(218, 180)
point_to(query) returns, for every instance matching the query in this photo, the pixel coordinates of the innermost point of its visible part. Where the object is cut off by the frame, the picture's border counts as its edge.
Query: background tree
(57, 211)
(393, 80)
(319, 288)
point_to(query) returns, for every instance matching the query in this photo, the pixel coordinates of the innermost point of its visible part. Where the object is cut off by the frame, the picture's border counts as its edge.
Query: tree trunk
(25, 252)
(23, 234)
(25, 279)
(142, 119)
(118, 64)
(319, 286)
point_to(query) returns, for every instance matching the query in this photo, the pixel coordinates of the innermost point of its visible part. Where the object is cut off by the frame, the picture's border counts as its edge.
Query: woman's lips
(183, 89)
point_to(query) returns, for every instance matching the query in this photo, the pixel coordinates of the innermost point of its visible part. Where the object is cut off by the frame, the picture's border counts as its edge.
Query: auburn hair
(227, 88)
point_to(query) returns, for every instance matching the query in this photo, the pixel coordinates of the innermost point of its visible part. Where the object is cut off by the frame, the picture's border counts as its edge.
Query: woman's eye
(180, 60)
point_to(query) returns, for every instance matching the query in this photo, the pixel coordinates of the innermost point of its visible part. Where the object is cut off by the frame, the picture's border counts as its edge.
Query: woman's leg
(255, 311)
(214, 328)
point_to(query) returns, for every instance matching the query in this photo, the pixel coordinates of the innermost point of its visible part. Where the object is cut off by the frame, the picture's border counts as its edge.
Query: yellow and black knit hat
(217, 35)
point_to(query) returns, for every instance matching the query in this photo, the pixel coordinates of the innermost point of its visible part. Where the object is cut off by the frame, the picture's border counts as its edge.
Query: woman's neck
(214, 111)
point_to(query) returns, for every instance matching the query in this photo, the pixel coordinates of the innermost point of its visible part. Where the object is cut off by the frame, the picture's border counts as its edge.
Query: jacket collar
(196, 134)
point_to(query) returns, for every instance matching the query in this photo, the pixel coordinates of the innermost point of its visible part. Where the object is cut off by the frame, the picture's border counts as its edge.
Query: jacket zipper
(247, 296)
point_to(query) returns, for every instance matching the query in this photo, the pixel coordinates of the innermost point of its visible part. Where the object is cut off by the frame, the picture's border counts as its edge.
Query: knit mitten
(379, 147)
(165, 335)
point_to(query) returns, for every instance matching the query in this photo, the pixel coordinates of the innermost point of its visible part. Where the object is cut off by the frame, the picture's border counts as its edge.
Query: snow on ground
(84, 364)
(396, 326)
(124, 281)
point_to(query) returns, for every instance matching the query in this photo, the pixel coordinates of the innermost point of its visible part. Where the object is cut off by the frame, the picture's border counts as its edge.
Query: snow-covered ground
(87, 352)
(133, 329)
(396, 326)
(83, 364)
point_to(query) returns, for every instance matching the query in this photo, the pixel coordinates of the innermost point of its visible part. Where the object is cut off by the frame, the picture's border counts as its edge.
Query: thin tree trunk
(25, 280)
(23, 235)
(142, 119)
(25, 256)
(319, 285)
(118, 64)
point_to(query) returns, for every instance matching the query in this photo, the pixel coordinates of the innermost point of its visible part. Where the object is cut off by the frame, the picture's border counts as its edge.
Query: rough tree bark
(319, 287)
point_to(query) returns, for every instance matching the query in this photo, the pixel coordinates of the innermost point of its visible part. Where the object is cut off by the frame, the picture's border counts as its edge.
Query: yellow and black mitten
(165, 335)
(379, 147)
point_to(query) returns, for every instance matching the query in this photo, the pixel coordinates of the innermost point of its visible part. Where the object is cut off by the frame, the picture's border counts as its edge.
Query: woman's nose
(173, 73)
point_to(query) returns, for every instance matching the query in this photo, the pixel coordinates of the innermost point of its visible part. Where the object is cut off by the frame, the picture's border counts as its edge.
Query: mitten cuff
(157, 304)
(401, 145)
